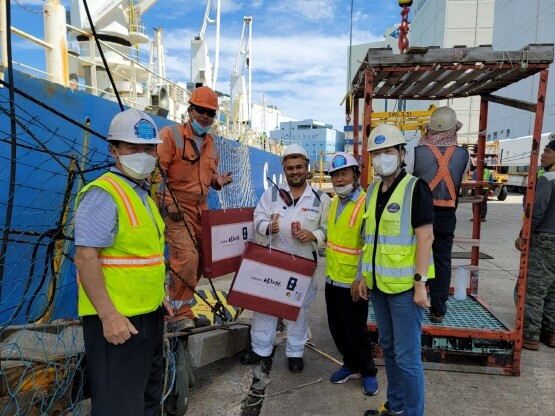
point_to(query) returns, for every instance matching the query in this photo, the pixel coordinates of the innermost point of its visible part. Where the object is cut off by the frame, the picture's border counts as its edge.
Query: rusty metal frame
(475, 78)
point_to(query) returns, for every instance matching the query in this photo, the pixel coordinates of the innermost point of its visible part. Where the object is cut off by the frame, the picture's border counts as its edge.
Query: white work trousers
(263, 329)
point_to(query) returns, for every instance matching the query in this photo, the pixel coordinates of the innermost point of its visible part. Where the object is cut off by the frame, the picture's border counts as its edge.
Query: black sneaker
(251, 358)
(296, 364)
(383, 410)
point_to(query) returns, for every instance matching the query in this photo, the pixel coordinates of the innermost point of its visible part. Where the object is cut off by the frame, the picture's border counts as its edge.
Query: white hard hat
(294, 150)
(133, 126)
(342, 160)
(443, 119)
(385, 135)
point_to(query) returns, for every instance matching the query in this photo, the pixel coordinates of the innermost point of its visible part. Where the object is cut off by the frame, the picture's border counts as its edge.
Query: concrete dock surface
(222, 387)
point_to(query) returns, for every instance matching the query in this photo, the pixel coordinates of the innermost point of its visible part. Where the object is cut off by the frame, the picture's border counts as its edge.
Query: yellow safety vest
(344, 244)
(133, 268)
(395, 262)
(485, 177)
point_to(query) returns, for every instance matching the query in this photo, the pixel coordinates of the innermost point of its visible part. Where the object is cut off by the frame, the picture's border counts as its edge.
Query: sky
(299, 47)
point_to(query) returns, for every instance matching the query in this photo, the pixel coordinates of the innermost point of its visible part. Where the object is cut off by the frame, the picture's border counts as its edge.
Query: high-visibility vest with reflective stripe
(133, 268)
(344, 245)
(395, 261)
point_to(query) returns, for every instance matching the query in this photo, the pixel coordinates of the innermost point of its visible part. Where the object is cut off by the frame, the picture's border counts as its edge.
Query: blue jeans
(399, 322)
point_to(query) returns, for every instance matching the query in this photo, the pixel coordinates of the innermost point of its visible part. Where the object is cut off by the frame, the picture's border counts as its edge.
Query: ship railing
(142, 80)
(143, 88)
(33, 39)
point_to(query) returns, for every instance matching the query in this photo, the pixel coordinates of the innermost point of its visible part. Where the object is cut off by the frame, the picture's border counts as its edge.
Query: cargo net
(51, 156)
(234, 158)
(42, 166)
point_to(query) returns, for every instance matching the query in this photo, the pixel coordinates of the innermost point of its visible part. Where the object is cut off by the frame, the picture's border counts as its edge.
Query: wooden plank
(534, 53)
(465, 78)
(503, 67)
(495, 80)
(445, 78)
(412, 78)
(424, 82)
(391, 81)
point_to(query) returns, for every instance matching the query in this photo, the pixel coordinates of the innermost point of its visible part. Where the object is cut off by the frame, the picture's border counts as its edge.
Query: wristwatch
(420, 278)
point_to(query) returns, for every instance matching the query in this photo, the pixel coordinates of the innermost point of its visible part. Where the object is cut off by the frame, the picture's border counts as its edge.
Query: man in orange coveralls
(190, 159)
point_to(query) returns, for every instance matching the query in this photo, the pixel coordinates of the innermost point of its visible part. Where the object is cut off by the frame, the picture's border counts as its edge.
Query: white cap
(294, 150)
(133, 126)
(385, 135)
(341, 160)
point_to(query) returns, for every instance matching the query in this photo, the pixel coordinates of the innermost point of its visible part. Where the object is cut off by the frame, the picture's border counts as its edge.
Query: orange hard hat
(204, 97)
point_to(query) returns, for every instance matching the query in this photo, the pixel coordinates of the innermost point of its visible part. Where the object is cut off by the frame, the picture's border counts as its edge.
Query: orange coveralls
(189, 177)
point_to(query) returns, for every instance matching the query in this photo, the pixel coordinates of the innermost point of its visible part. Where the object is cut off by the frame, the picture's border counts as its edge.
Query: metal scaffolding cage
(473, 338)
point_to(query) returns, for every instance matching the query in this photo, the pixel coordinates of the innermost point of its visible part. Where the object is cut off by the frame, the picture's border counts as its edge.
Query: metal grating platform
(459, 343)
(460, 314)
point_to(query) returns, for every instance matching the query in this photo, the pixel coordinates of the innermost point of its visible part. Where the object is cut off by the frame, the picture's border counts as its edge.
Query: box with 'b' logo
(271, 281)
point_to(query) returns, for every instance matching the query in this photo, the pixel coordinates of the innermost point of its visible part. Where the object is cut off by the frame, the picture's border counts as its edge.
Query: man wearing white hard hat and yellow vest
(395, 264)
(119, 254)
(347, 312)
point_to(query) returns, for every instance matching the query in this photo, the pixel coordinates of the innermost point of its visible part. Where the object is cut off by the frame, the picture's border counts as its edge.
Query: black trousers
(126, 379)
(484, 204)
(347, 323)
(444, 232)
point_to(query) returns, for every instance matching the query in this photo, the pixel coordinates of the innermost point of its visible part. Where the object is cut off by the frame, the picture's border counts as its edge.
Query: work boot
(251, 358)
(548, 338)
(436, 318)
(201, 322)
(296, 364)
(530, 345)
(183, 324)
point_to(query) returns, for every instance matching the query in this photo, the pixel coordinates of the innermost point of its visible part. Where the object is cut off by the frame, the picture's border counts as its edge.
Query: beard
(296, 181)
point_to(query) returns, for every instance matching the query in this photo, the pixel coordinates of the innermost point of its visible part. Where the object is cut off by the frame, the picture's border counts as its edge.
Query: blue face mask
(199, 129)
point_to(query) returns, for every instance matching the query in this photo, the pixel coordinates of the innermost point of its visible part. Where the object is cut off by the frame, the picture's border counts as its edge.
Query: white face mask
(138, 165)
(385, 164)
(343, 191)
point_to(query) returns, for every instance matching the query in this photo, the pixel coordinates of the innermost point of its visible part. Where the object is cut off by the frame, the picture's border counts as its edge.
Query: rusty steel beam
(527, 222)
(366, 125)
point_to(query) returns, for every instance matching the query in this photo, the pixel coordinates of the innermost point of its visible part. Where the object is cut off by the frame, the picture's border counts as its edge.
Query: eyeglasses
(207, 111)
(338, 162)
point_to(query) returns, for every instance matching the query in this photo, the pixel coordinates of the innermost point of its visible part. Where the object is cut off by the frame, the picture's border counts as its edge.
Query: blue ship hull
(51, 164)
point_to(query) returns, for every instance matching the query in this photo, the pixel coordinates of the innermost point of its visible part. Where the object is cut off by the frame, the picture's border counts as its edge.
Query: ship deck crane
(240, 102)
(202, 72)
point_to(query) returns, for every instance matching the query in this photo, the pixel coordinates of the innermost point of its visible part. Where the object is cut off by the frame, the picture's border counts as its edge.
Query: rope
(286, 390)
